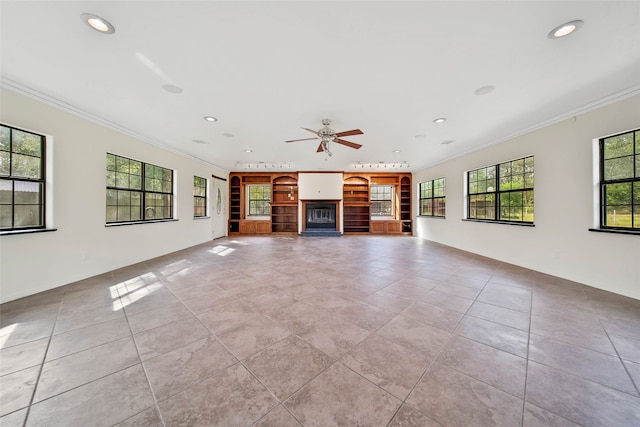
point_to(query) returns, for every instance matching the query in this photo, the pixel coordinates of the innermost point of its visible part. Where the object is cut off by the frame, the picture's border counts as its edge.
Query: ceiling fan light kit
(327, 135)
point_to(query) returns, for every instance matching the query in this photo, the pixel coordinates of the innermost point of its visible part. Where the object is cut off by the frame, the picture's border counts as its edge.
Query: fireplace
(320, 217)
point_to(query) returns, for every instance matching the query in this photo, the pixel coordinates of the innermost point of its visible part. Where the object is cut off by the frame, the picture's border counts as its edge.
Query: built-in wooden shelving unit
(355, 215)
(405, 204)
(283, 216)
(284, 205)
(356, 204)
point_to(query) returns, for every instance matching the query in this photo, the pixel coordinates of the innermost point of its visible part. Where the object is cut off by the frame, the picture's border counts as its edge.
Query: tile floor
(348, 331)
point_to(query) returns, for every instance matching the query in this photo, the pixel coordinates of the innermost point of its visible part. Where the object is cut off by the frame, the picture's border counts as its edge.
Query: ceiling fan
(327, 135)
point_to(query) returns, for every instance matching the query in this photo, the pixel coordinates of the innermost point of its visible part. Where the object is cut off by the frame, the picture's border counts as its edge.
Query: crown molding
(68, 108)
(590, 106)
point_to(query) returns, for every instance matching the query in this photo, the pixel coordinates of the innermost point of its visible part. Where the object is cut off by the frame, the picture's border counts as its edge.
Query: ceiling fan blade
(347, 143)
(303, 139)
(311, 130)
(349, 132)
(320, 149)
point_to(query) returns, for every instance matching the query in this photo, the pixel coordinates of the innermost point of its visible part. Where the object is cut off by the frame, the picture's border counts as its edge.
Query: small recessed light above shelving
(440, 120)
(210, 119)
(396, 151)
(447, 142)
(248, 150)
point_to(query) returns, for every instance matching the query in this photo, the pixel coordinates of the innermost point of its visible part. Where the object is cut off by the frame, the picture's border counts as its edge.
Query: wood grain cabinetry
(405, 204)
(355, 214)
(251, 226)
(284, 204)
(386, 226)
(356, 204)
(283, 216)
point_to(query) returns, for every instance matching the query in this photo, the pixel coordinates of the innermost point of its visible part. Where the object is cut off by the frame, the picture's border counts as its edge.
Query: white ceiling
(265, 69)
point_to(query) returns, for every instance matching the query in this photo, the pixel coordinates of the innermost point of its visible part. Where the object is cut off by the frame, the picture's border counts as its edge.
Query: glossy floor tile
(349, 331)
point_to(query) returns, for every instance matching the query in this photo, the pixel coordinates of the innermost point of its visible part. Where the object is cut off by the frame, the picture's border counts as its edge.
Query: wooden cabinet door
(248, 227)
(377, 226)
(393, 227)
(263, 227)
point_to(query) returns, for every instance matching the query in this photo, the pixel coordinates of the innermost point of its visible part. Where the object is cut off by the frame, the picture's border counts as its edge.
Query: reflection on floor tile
(388, 331)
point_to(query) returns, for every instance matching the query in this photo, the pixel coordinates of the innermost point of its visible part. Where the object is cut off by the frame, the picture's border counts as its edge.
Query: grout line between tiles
(146, 374)
(44, 358)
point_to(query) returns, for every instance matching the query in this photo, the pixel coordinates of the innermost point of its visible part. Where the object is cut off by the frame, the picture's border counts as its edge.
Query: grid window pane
(439, 207)
(6, 216)
(381, 200)
(432, 197)
(619, 168)
(22, 189)
(199, 196)
(618, 146)
(514, 204)
(620, 181)
(129, 197)
(259, 199)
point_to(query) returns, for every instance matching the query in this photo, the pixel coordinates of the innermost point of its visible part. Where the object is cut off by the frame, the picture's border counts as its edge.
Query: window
(382, 200)
(137, 191)
(22, 179)
(199, 197)
(432, 198)
(620, 181)
(503, 192)
(259, 199)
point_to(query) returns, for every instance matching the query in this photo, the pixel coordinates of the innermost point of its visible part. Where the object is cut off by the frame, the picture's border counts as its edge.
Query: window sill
(201, 217)
(30, 231)
(118, 224)
(616, 231)
(489, 221)
(432, 216)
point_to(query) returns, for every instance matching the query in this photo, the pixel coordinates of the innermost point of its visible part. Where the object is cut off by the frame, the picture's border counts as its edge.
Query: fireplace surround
(320, 217)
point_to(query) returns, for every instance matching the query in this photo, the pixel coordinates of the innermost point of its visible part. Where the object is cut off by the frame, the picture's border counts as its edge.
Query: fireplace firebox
(320, 218)
(320, 215)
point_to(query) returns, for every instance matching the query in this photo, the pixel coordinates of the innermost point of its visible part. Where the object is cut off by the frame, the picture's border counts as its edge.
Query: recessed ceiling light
(447, 142)
(210, 119)
(228, 135)
(247, 150)
(199, 141)
(484, 90)
(172, 88)
(396, 151)
(565, 29)
(98, 23)
(440, 120)
(420, 135)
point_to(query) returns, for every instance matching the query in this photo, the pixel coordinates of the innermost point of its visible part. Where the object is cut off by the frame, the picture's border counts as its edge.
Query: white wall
(82, 246)
(560, 243)
(319, 186)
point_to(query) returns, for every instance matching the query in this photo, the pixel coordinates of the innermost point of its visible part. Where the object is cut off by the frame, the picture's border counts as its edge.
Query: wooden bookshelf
(284, 210)
(234, 204)
(405, 204)
(285, 190)
(356, 204)
(284, 219)
(283, 204)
